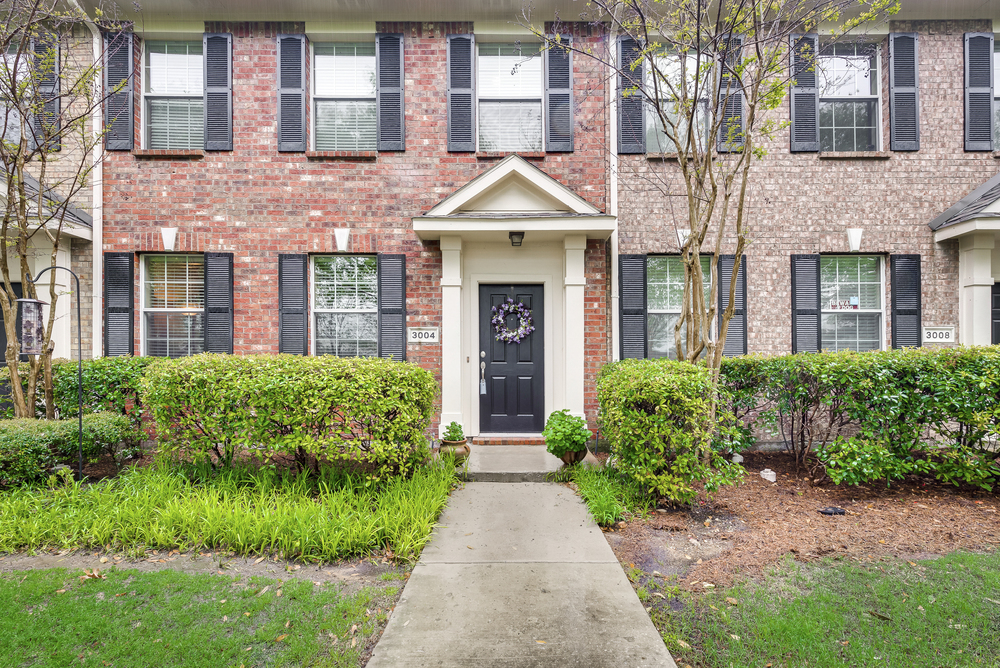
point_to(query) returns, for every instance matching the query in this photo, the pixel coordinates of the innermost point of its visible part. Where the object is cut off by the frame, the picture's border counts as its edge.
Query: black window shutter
(904, 279)
(218, 50)
(46, 52)
(559, 95)
(118, 89)
(390, 126)
(904, 87)
(392, 306)
(804, 102)
(219, 303)
(293, 295)
(731, 128)
(736, 335)
(978, 91)
(805, 304)
(461, 93)
(291, 92)
(119, 318)
(632, 295)
(631, 108)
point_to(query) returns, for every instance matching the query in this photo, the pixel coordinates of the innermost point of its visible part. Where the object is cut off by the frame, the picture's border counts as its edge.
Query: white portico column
(451, 331)
(974, 267)
(575, 283)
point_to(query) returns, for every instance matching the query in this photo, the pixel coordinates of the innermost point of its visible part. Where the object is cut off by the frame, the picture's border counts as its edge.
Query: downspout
(613, 210)
(97, 200)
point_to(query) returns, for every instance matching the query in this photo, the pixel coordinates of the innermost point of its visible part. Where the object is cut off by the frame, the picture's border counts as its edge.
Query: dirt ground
(740, 531)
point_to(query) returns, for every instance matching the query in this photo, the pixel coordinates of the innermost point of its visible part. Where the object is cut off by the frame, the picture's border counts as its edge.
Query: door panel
(514, 399)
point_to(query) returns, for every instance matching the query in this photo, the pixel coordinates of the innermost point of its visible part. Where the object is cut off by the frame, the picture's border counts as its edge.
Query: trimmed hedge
(29, 447)
(366, 410)
(878, 415)
(657, 417)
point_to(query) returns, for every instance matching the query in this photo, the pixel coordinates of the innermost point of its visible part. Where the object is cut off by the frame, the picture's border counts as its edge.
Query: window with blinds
(698, 77)
(851, 302)
(848, 97)
(510, 97)
(344, 97)
(173, 305)
(664, 299)
(173, 88)
(345, 305)
(11, 117)
(996, 94)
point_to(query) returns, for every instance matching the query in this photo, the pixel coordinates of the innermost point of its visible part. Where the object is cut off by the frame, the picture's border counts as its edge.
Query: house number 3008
(939, 334)
(422, 334)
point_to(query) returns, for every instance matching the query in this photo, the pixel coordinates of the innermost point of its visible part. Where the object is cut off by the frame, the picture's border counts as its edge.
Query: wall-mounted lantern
(854, 238)
(516, 238)
(682, 237)
(32, 332)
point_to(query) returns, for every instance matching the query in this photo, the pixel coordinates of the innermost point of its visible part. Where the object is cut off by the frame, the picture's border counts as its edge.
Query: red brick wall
(257, 202)
(803, 203)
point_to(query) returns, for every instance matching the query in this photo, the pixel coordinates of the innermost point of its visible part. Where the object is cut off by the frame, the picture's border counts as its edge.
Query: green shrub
(369, 411)
(565, 433)
(453, 432)
(109, 384)
(657, 416)
(25, 454)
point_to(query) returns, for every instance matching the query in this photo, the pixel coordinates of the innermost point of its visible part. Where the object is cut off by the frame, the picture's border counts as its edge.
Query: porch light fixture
(516, 238)
(32, 333)
(169, 235)
(854, 238)
(342, 236)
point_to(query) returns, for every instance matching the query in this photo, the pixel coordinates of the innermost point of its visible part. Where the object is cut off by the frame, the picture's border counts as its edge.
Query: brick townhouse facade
(377, 182)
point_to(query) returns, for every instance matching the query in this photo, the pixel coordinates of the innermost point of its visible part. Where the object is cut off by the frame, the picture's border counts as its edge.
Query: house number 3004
(422, 334)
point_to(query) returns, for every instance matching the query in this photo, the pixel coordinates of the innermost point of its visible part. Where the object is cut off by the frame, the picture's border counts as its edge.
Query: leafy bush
(25, 455)
(109, 384)
(565, 433)
(453, 432)
(369, 411)
(657, 416)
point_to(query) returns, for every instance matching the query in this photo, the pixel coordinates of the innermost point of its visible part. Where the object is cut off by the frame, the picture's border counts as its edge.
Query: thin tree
(51, 139)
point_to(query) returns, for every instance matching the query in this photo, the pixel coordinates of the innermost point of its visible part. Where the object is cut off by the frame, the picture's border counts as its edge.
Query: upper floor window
(345, 305)
(344, 97)
(851, 302)
(510, 97)
(671, 73)
(996, 93)
(173, 305)
(848, 97)
(11, 117)
(173, 88)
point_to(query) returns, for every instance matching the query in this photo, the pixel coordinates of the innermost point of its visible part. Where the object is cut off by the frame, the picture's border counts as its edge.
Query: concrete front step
(512, 463)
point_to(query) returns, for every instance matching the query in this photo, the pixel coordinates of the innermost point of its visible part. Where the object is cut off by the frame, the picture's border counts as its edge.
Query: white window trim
(312, 89)
(143, 309)
(541, 94)
(712, 326)
(883, 323)
(877, 97)
(144, 140)
(312, 296)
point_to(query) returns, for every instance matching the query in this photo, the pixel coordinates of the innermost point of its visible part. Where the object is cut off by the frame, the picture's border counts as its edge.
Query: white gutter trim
(613, 210)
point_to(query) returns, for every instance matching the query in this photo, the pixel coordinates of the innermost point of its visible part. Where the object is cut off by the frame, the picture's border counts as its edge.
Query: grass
(128, 618)
(890, 614)
(609, 495)
(248, 511)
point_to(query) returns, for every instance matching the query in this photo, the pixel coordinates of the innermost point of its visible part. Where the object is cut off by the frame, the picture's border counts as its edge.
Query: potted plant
(453, 440)
(566, 436)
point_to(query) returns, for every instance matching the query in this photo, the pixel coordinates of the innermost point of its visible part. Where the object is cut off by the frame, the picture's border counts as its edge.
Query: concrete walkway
(518, 575)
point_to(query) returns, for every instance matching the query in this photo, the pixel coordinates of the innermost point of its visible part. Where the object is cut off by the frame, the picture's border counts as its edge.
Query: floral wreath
(499, 321)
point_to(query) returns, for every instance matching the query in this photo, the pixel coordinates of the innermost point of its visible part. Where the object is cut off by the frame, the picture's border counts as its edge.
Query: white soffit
(513, 186)
(968, 227)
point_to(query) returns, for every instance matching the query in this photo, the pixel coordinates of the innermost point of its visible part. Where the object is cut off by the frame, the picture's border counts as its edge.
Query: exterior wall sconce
(169, 235)
(32, 333)
(854, 238)
(682, 237)
(342, 236)
(516, 238)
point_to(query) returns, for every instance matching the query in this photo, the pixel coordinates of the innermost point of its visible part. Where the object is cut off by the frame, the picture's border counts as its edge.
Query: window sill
(996, 154)
(169, 153)
(490, 155)
(342, 155)
(661, 156)
(855, 155)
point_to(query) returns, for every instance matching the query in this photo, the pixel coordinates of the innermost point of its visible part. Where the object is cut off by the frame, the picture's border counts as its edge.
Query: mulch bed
(763, 521)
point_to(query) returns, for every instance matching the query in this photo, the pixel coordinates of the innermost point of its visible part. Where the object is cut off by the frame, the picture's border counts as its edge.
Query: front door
(511, 391)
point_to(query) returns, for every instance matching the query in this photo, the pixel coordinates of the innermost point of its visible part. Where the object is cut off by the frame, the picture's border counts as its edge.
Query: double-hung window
(848, 97)
(664, 299)
(11, 121)
(673, 71)
(345, 305)
(510, 97)
(174, 94)
(851, 304)
(996, 94)
(344, 97)
(173, 305)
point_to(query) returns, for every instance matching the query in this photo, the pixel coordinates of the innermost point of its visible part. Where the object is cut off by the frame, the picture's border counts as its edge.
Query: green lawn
(130, 618)
(893, 613)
